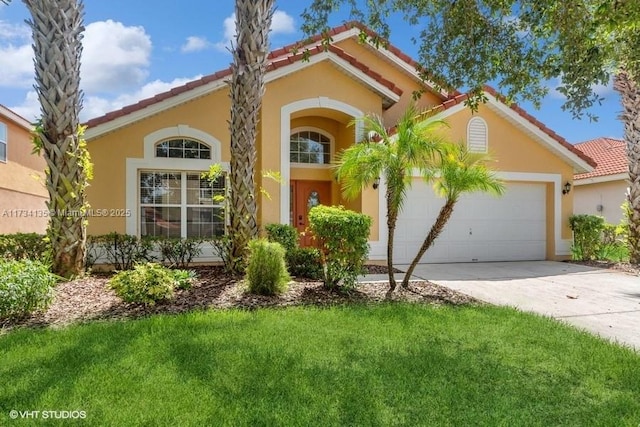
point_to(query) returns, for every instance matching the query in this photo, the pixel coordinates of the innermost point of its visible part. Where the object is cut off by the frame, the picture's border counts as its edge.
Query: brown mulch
(90, 298)
(623, 267)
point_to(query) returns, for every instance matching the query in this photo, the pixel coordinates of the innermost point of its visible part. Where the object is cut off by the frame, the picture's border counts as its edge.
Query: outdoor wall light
(567, 188)
(376, 183)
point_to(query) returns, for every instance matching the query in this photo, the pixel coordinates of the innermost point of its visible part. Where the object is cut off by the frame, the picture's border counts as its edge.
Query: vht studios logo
(51, 415)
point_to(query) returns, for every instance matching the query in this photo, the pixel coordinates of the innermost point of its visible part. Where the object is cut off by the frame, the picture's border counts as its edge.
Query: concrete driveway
(601, 301)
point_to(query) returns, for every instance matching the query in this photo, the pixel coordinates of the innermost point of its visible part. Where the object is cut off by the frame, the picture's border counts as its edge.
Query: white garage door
(483, 227)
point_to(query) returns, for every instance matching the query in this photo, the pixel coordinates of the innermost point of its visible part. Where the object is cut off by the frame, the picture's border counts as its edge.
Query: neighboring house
(23, 195)
(603, 190)
(148, 157)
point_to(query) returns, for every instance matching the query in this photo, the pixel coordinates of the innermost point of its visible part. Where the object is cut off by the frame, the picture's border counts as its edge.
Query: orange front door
(307, 194)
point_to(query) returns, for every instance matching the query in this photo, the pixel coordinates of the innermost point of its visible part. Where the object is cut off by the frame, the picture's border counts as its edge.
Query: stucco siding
(608, 195)
(23, 194)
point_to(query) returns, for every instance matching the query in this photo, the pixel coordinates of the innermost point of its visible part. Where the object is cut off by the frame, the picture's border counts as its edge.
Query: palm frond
(461, 171)
(359, 166)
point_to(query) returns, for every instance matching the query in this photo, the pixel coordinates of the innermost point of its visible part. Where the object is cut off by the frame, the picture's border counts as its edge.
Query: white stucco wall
(610, 195)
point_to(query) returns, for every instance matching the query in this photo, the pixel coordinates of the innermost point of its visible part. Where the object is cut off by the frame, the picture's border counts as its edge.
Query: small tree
(394, 155)
(459, 172)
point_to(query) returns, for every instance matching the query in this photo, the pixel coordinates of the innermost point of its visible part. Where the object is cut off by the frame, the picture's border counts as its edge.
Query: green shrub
(95, 251)
(284, 234)
(123, 250)
(178, 252)
(222, 249)
(342, 236)
(146, 283)
(587, 231)
(266, 272)
(305, 262)
(613, 246)
(35, 247)
(184, 278)
(25, 287)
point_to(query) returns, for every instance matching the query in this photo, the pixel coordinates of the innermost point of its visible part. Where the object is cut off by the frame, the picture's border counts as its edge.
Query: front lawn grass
(390, 364)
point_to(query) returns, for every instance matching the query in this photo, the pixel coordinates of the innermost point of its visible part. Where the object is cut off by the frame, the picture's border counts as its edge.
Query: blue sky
(134, 49)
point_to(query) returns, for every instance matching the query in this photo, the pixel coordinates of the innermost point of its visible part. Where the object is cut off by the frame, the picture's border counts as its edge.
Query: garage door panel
(482, 227)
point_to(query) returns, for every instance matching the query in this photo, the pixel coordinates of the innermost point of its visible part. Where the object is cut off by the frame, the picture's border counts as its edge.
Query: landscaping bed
(90, 298)
(623, 267)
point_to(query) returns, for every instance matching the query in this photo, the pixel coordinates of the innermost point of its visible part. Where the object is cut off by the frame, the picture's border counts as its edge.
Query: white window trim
(150, 162)
(486, 134)
(321, 132)
(182, 131)
(183, 205)
(285, 134)
(5, 142)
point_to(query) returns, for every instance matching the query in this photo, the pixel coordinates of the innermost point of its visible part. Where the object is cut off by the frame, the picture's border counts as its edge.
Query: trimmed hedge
(342, 235)
(35, 247)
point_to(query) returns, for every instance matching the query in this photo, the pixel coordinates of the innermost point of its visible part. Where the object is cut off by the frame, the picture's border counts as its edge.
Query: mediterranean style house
(23, 195)
(148, 157)
(603, 190)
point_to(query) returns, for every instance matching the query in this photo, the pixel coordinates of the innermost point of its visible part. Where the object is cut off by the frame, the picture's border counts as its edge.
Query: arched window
(477, 135)
(181, 148)
(310, 147)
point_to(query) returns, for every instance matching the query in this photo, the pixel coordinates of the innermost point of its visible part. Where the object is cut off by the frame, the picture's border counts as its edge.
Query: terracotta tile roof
(278, 58)
(459, 98)
(348, 26)
(609, 154)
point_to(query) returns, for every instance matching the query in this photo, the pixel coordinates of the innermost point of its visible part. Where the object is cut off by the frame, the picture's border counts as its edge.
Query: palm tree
(629, 90)
(57, 28)
(459, 172)
(253, 22)
(394, 155)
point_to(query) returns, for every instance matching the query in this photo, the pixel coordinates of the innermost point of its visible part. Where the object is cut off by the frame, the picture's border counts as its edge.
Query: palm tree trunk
(630, 96)
(253, 22)
(392, 219)
(57, 28)
(436, 229)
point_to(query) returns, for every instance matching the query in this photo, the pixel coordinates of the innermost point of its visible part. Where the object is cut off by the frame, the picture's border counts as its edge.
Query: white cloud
(229, 26)
(195, 44)
(282, 23)
(604, 90)
(95, 106)
(599, 89)
(16, 55)
(16, 64)
(30, 107)
(14, 31)
(115, 57)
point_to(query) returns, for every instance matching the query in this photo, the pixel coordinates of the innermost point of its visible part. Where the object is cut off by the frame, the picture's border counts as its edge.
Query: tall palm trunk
(57, 28)
(436, 229)
(253, 21)
(392, 219)
(630, 96)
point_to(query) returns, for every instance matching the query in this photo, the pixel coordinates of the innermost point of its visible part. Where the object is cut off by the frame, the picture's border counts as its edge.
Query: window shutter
(477, 135)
